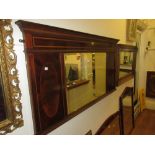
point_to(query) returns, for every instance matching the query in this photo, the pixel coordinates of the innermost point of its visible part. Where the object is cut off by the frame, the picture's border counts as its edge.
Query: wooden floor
(144, 125)
(112, 128)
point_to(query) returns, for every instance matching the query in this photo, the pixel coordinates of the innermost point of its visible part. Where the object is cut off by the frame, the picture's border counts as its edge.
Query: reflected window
(85, 78)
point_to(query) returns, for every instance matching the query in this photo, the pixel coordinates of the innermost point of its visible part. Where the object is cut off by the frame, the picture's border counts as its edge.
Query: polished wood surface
(38, 36)
(127, 48)
(110, 126)
(47, 89)
(144, 124)
(126, 113)
(126, 78)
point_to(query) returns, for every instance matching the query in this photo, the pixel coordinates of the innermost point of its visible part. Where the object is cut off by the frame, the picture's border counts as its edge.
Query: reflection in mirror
(126, 63)
(2, 102)
(85, 78)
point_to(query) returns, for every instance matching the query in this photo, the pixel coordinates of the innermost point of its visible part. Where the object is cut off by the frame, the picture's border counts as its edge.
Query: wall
(91, 118)
(146, 60)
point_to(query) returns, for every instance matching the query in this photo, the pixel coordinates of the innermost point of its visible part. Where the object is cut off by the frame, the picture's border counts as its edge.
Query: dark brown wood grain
(38, 36)
(126, 78)
(144, 124)
(47, 90)
(110, 122)
(127, 48)
(129, 118)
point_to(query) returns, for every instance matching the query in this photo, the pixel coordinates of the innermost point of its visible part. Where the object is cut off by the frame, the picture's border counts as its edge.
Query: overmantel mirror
(126, 63)
(69, 71)
(10, 94)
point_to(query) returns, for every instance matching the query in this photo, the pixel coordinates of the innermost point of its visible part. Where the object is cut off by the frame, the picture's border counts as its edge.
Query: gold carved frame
(131, 29)
(12, 93)
(133, 25)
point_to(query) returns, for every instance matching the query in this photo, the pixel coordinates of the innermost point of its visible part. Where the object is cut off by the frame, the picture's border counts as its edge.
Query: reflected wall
(85, 78)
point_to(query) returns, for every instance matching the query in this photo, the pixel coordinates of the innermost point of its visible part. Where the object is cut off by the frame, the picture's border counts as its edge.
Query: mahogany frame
(125, 48)
(43, 39)
(128, 91)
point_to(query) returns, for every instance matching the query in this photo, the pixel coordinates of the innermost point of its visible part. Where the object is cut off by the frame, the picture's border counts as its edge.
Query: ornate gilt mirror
(10, 94)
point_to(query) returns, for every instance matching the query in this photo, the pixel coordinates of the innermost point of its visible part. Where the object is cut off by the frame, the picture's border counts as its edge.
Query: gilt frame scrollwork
(12, 93)
(131, 29)
(133, 25)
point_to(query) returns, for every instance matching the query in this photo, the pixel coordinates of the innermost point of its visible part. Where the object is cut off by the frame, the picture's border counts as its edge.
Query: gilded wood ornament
(12, 93)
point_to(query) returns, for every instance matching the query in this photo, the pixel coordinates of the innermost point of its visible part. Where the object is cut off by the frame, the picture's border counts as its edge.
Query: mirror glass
(2, 101)
(126, 63)
(85, 78)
